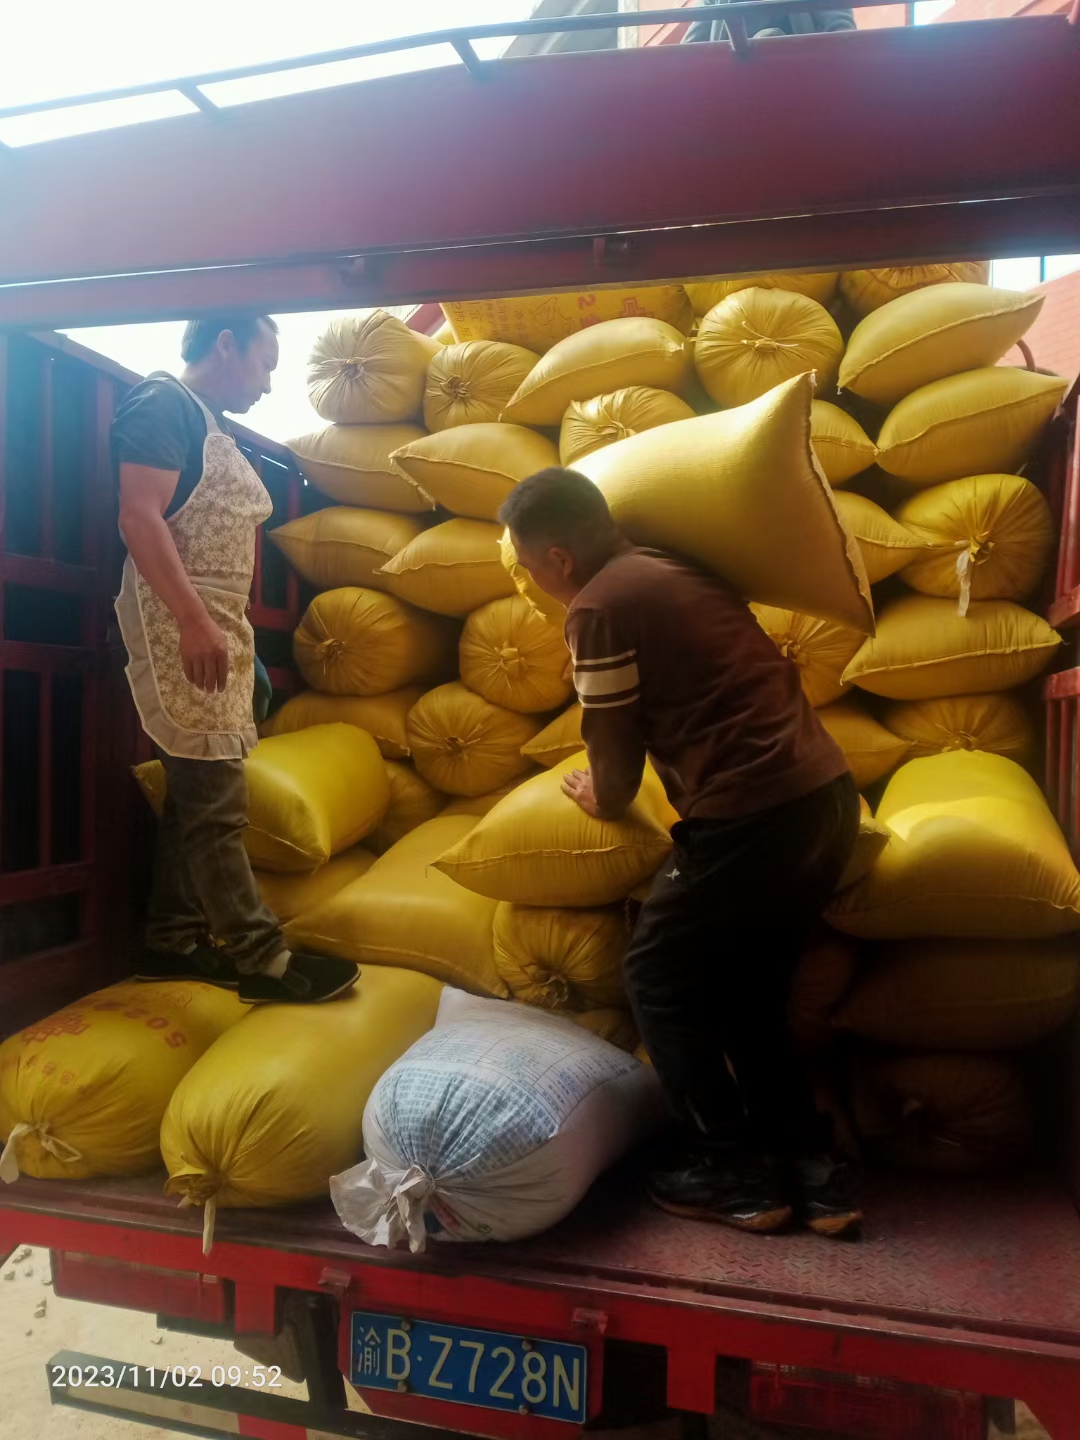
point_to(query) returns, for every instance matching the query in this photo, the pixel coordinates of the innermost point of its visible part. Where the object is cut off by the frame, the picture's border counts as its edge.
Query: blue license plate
(470, 1367)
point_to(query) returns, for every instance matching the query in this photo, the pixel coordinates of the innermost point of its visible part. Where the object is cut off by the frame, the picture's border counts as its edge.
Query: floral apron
(214, 533)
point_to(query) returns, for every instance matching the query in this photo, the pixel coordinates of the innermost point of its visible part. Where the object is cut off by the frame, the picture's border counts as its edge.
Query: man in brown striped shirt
(670, 665)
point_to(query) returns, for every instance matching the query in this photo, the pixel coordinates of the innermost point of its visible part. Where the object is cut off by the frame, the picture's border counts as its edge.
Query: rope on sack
(766, 342)
(9, 1161)
(972, 552)
(209, 1219)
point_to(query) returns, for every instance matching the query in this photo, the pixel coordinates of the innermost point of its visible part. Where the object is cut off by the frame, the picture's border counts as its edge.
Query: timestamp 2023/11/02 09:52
(157, 1377)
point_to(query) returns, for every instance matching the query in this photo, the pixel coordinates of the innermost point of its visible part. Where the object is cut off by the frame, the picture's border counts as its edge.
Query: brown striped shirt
(670, 662)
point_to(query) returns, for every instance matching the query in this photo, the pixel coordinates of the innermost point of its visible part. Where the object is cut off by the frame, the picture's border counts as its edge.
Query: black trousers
(710, 964)
(203, 885)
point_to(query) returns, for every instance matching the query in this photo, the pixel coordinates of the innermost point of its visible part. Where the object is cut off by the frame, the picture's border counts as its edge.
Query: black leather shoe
(826, 1196)
(743, 1191)
(308, 980)
(202, 963)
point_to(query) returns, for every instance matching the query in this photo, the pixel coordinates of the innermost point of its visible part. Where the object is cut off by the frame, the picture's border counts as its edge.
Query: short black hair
(559, 506)
(200, 336)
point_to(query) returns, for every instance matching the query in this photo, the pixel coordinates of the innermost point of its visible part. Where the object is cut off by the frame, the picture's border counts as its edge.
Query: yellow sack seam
(440, 565)
(420, 960)
(1023, 303)
(669, 351)
(948, 660)
(974, 415)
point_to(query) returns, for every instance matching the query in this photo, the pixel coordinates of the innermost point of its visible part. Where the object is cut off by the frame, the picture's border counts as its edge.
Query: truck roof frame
(810, 151)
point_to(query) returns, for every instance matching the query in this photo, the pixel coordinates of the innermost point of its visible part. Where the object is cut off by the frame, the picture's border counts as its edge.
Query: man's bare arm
(145, 494)
(616, 749)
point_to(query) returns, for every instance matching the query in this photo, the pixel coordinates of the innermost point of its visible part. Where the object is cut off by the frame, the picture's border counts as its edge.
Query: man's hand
(578, 785)
(205, 654)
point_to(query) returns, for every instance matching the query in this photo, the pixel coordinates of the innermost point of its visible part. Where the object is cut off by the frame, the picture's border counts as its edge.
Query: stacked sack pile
(412, 550)
(955, 961)
(406, 808)
(923, 437)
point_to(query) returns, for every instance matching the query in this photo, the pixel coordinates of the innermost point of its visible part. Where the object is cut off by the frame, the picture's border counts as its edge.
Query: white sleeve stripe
(608, 704)
(606, 682)
(600, 660)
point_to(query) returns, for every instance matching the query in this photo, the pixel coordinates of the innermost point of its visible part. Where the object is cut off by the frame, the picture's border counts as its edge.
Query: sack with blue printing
(492, 1127)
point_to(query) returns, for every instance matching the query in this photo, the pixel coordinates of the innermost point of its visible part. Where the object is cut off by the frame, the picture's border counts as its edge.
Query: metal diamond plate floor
(1001, 1256)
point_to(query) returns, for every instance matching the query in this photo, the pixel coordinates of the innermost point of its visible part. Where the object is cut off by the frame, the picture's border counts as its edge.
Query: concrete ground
(35, 1324)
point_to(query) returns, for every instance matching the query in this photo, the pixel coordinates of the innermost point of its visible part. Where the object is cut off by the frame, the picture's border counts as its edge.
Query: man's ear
(563, 560)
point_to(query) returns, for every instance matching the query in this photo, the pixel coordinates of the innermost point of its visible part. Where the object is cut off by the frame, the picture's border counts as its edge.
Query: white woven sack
(492, 1127)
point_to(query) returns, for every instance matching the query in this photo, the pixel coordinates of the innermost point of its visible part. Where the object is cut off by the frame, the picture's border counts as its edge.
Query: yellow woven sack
(513, 657)
(867, 290)
(471, 469)
(994, 536)
(974, 852)
(412, 803)
(964, 994)
(755, 339)
(558, 741)
(887, 546)
(842, 447)
(345, 546)
(981, 422)
(869, 748)
(445, 334)
(942, 1114)
(925, 649)
(538, 848)
(311, 794)
(82, 1092)
(382, 716)
(404, 912)
(452, 568)
(351, 464)
(369, 369)
(150, 778)
(562, 959)
(593, 362)
(588, 425)
(822, 978)
(741, 493)
(553, 611)
(931, 333)
(707, 293)
(820, 649)
(540, 321)
(615, 1026)
(465, 745)
(998, 723)
(471, 383)
(480, 805)
(267, 1117)
(870, 842)
(290, 895)
(354, 641)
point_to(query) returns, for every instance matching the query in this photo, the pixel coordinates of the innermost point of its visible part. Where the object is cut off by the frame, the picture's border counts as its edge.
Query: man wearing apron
(190, 505)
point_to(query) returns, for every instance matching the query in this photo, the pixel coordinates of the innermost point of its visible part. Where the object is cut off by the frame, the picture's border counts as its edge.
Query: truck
(478, 179)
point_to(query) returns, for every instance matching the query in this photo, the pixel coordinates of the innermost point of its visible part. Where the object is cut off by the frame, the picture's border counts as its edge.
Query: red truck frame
(925, 144)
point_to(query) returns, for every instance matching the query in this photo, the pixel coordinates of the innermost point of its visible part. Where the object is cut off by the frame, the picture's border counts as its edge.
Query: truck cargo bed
(999, 1257)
